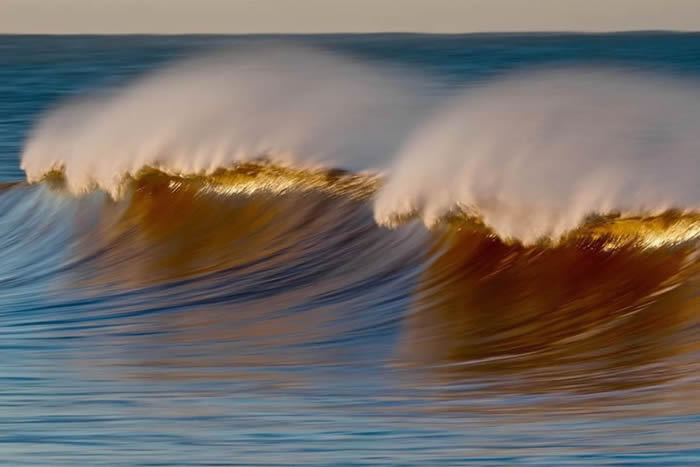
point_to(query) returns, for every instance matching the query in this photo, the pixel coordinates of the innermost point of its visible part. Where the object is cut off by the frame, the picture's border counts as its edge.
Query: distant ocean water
(385, 249)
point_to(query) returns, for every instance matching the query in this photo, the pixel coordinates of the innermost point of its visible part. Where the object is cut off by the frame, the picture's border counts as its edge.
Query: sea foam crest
(531, 155)
(289, 104)
(534, 154)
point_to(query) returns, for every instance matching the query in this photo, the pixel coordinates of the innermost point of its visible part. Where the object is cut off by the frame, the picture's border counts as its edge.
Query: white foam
(296, 106)
(535, 153)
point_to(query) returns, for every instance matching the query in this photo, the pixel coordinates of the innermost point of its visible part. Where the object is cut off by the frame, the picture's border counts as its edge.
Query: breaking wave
(292, 106)
(263, 178)
(534, 155)
(271, 267)
(531, 156)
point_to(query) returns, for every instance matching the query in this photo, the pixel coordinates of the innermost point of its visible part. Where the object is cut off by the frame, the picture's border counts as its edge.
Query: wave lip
(247, 178)
(612, 230)
(262, 177)
(535, 154)
(297, 107)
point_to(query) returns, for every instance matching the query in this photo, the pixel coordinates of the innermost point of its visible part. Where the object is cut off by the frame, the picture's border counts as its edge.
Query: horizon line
(367, 33)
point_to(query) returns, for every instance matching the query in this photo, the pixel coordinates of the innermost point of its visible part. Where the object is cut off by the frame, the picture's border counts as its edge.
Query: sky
(324, 16)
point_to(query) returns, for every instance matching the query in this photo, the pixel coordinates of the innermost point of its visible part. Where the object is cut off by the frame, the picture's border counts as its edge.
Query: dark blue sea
(389, 249)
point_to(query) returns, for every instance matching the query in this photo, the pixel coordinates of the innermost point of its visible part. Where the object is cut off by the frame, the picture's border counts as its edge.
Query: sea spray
(291, 105)
(534, 154)
(530, 156)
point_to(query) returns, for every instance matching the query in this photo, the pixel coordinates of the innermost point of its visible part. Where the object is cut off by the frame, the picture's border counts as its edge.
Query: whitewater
(532, 154)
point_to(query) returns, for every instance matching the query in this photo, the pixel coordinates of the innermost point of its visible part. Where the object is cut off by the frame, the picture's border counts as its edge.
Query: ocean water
(350, 250)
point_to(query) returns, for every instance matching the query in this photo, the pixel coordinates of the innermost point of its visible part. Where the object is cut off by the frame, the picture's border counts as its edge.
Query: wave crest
(534, 155)
(609, 231)
(297, 107)
(529, 157)
(247, 178)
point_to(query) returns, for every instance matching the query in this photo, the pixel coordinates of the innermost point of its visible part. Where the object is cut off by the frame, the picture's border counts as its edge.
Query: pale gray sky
(317, 16)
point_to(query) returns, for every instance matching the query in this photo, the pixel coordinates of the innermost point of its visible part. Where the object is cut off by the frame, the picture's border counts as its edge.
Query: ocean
(386, 249)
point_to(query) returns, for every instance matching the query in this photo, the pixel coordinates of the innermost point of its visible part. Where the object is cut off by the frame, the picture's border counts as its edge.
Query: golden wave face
(247, 178)
(578, 316)
(259, 177)
(232, 261)
(611, 306)
(668, 229)
(174, 228)
(614, 230)
(672, 227)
